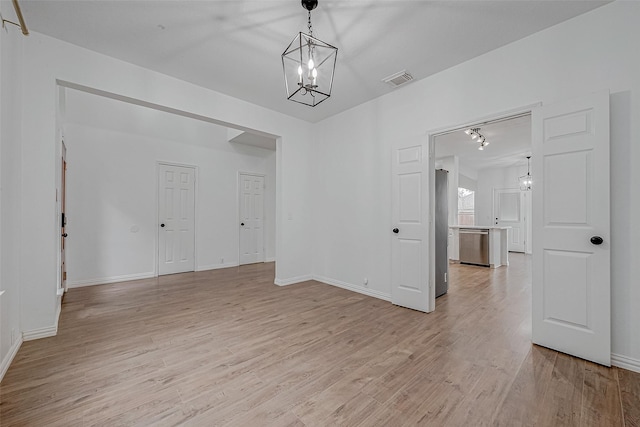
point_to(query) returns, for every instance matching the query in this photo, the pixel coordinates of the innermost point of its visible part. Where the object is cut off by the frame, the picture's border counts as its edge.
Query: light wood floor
(227, 347)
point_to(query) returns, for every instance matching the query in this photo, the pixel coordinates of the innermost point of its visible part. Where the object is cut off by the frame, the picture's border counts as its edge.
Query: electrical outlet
(366, 281)
(221, 260)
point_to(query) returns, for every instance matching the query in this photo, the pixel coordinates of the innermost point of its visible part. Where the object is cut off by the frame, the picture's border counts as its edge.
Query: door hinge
(64, 275)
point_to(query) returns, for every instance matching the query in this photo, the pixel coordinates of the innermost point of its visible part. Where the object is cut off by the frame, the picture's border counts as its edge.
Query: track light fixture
(475, 134)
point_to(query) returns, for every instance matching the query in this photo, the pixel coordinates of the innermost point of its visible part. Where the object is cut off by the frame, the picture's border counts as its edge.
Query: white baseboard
(293, 280)
(34, 334)
(216, 266)
(625, 362)
(354, 288)
(6, 362)
(110, 279)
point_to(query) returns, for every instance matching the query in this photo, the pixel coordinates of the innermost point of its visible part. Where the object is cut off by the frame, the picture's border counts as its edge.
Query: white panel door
(251, 189)
(409, 254)
(176, 215)
(508, 211)
(571, 276)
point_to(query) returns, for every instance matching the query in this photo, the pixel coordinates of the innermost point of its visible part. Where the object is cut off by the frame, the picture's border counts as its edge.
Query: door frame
(264, 213)
(156, 255)
(431, 135)
(62, 220)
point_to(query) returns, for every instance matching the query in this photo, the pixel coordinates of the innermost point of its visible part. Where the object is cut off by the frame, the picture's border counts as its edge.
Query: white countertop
(480, 227)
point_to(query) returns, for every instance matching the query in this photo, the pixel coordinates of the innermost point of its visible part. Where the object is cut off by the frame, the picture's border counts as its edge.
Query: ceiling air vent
(398, 79)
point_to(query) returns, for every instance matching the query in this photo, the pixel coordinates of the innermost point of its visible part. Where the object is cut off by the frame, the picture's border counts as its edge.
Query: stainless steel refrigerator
(442, 231)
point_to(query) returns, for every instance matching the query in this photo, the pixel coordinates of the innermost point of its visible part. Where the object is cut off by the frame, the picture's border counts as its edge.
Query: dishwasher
(474, 246)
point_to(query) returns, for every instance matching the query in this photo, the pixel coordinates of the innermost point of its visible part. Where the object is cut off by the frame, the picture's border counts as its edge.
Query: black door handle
(242, 224)
(64, 234)
(395, 230)
(161, 225)
(596, 240)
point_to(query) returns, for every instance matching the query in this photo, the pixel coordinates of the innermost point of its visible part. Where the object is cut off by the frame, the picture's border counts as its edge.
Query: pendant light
(525, 181)
(308, 64)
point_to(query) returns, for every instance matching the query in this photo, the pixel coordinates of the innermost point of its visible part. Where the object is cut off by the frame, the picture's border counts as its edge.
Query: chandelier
(308, 64)
(474, 133)
(525, 181)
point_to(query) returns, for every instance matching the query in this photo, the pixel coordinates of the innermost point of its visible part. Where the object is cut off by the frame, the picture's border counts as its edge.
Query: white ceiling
(509, 145)
(234, 46)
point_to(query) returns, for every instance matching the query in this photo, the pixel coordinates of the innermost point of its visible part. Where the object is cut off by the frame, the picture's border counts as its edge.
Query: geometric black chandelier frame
(308, 64)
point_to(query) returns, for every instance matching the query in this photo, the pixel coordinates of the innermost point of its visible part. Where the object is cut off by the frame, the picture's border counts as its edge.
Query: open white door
(409, 251)
(571, 275)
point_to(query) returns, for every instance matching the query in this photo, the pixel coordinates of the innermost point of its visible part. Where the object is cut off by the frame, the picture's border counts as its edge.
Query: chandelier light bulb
(310, 65)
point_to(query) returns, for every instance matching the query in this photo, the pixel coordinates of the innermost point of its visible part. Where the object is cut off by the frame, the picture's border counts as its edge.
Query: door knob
(395, 230)
(161, 225)
(64, 234)
(596, 240)
(242, 224)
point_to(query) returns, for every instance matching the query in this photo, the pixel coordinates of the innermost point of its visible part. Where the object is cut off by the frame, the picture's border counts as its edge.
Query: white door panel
(571, 277)
(508, 211)
(409, 265)
(252, 220)
(176, 213)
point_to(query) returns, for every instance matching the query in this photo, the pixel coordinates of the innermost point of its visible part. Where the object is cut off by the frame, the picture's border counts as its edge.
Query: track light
(475, 134)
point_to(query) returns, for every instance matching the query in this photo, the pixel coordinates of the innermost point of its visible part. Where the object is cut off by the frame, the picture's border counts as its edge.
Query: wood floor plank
(630, 396)
(525, 397)
(227, 347)
(601, 397)
(563, 401)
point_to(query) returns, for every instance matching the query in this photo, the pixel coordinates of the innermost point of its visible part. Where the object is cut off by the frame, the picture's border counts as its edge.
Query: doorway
(63, 218)
(571, 221)
(483, 188)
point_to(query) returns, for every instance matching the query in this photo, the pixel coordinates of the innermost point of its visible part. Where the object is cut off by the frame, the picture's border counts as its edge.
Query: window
(466, 207)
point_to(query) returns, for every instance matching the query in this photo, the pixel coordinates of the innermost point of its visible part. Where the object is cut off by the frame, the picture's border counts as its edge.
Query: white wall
(112, 153)
(10, 187)
(47, 59)
(469, 183)
(586, 54)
